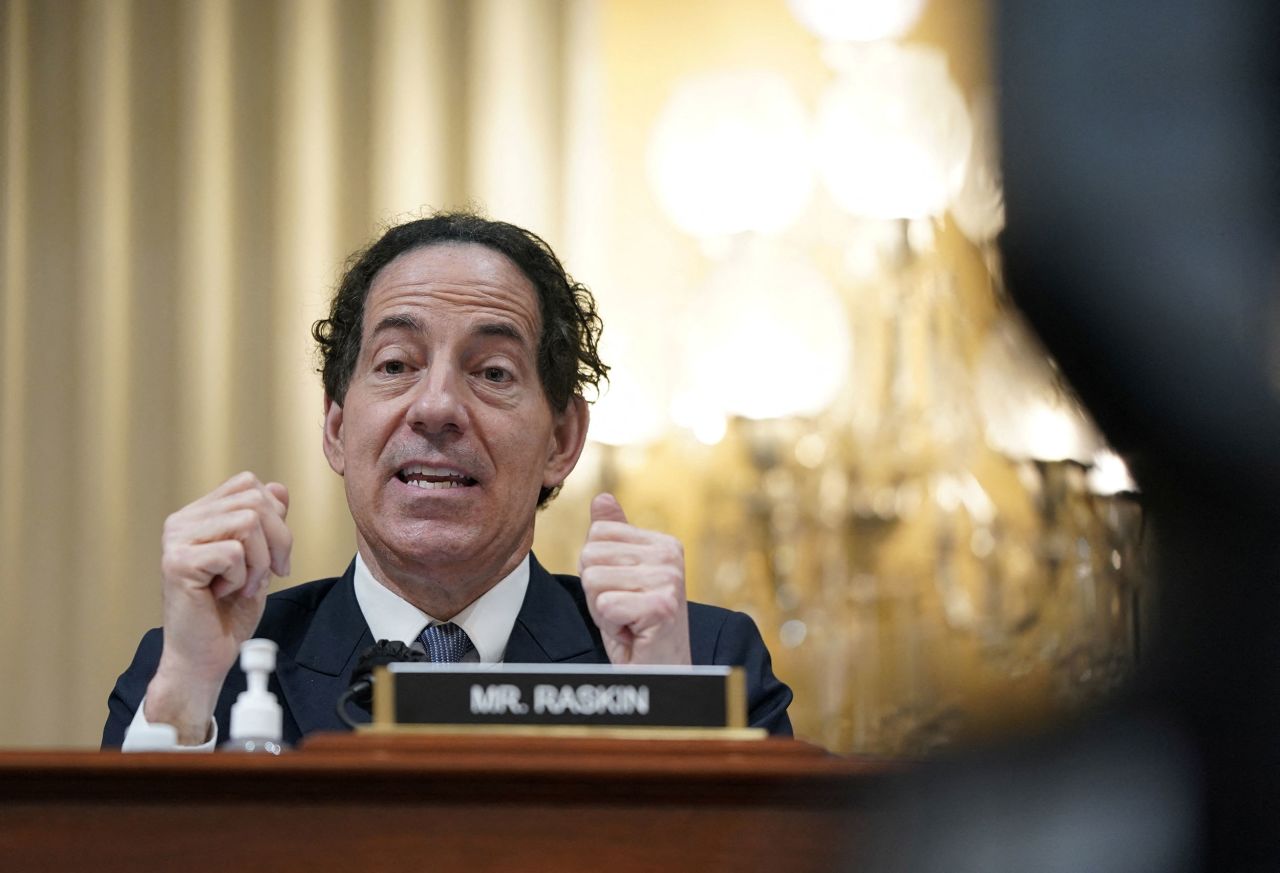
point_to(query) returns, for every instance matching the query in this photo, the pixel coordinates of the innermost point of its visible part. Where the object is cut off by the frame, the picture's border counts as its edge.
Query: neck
(439, 591)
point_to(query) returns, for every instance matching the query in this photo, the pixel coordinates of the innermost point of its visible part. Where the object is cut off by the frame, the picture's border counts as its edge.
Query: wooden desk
(437, 803)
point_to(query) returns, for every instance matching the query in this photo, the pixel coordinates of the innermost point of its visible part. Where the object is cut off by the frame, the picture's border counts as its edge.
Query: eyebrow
(404, 321)
(399, 321)
(500, 328)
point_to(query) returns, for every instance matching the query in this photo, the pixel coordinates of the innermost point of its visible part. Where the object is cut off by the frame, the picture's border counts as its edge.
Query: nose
(438, 404)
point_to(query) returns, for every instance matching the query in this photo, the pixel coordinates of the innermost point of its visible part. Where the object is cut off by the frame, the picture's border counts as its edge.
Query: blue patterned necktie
(446, 643)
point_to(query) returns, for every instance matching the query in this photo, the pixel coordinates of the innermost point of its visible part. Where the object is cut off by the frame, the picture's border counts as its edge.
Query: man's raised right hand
(218, 554)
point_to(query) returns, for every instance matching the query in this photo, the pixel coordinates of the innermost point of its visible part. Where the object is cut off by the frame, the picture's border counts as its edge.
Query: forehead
(454, 280)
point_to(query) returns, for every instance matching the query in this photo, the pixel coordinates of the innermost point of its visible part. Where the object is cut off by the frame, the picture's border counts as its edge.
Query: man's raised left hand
(634, 582)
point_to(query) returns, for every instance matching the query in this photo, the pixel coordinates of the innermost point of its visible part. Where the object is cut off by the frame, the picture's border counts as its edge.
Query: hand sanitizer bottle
(256, 717)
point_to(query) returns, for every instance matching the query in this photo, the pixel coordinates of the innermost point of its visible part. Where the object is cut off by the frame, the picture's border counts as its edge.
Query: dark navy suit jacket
(321, 633)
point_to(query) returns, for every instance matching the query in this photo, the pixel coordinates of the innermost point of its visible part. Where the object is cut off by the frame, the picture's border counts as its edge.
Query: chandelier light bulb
(893, 133)
(1109, 475)
(730, 153)
(1027, 414)
(857, 20)
(768, 338)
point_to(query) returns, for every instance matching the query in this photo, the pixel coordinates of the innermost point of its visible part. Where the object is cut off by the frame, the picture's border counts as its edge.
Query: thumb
(605, 507)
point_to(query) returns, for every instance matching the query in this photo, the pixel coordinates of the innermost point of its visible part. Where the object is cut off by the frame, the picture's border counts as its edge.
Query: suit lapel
(320, 670)
(552, 625)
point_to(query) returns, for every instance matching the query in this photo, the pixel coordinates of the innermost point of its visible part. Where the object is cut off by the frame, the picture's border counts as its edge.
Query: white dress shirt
(488, 621)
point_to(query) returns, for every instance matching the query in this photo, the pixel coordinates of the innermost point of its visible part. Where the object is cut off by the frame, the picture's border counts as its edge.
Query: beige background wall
(181, 183)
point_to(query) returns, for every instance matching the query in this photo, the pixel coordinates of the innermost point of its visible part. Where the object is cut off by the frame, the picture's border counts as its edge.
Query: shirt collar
(488, 619)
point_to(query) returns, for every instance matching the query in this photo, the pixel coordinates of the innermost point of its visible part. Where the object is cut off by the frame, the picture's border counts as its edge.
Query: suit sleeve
(130, 688)
(768, 696)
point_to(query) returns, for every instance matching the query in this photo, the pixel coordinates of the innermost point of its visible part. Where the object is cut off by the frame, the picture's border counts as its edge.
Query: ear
(333, 445)
(567, 439)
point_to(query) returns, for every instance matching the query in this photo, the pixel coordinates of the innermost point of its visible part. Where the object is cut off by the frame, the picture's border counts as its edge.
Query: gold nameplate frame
(562, 699)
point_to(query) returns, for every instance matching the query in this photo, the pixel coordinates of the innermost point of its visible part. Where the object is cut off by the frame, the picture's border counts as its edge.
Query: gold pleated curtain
(181, 182)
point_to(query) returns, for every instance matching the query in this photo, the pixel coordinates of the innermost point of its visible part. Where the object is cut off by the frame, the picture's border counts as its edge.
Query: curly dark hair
(567, 358)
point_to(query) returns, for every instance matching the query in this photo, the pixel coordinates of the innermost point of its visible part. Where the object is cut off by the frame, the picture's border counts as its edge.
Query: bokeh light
(730, 153)
(857, 20)
(768, 337)
(893, 132)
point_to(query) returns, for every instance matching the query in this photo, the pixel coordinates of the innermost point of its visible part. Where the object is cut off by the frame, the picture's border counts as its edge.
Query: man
(455, 357)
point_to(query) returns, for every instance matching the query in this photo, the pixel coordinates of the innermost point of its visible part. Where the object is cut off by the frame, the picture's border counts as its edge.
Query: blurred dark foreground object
(1141, 149)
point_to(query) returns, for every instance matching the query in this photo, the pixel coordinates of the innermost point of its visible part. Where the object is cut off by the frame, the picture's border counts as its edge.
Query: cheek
(523, 454)
(365, 441)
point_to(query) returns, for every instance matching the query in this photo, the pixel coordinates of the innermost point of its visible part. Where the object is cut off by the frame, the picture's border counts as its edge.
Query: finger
(236, 577)
(261, 498)
(592, 593)
(602, 578)
(242, 526)
(629, 547)
(654, 548)
(223, 518)
(605, 507)
(621, 532)
(271, 516)
(213, 506)
(280, 493)
(638, 610)
(248, 530)
(601, 553)
(217, 565)
(279, 540)
(282, 539)
(242, 485)
(239, 482)
(609, 630)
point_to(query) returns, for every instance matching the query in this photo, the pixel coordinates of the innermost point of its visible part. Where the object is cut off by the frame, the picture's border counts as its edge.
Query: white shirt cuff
(143, 736)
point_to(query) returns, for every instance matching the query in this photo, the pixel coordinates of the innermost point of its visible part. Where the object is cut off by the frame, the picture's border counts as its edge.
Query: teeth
(431, 471)
(429, 478)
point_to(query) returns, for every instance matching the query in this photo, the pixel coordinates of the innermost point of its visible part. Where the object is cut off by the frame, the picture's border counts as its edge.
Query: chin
(437, 544)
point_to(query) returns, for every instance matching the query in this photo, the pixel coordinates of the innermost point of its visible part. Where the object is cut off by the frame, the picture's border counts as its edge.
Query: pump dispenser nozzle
(256, 717)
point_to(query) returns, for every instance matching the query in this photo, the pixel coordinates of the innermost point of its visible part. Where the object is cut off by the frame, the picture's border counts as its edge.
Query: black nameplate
(584, 695)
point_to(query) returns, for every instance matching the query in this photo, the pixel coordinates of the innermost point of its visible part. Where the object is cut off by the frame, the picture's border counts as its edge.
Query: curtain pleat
(182, 182)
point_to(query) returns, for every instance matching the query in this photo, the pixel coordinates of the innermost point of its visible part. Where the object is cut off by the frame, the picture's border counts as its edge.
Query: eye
(496, 374)
(392, 367)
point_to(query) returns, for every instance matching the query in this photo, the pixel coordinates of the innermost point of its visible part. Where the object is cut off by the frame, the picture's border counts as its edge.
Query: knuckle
(666, 605)
(235, 557)
(245, 520)
(172, 528)
(669, 578)
(170, 563)
(607, 603)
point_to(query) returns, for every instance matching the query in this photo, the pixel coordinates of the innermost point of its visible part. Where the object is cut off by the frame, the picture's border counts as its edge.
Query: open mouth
(430, 478)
